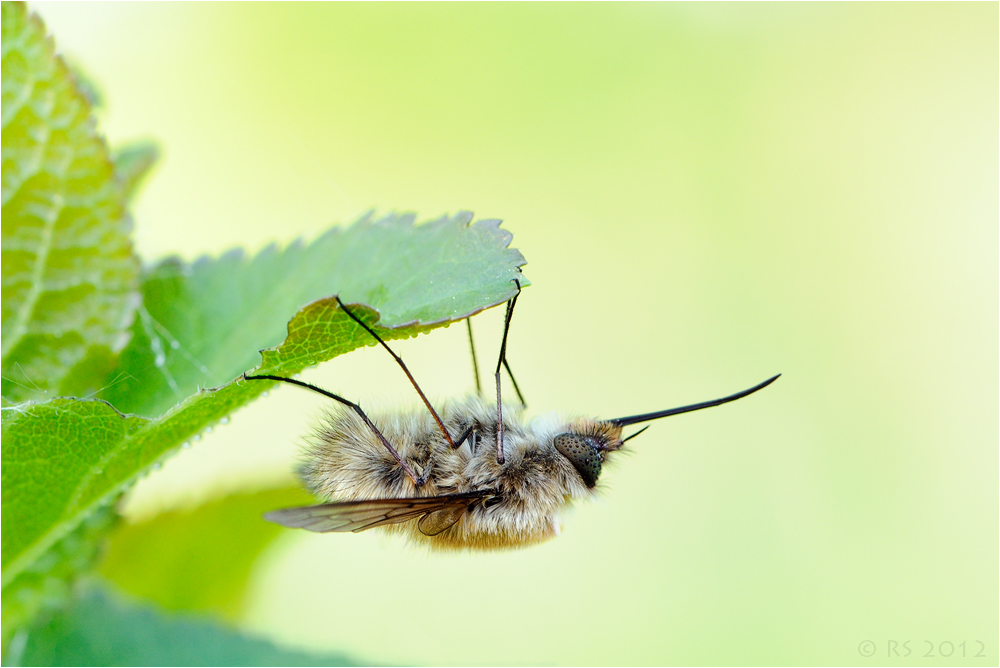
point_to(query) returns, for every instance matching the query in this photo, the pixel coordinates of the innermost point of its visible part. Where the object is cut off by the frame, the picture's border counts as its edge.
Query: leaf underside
(46, 584)
(202, 324)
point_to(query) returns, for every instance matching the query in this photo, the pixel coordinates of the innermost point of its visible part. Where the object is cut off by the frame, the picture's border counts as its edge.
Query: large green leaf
(201, 325)
(65, 458)
(69, 275)
(198, 559)
(100, 629)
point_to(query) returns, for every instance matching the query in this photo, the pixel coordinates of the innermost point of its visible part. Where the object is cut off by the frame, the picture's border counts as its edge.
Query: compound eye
(582, 454)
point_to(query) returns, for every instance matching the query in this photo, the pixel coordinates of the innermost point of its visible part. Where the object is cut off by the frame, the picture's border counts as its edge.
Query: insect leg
(399, 361)
(426, 473)
(503, 358)
(465, 435)
(357, 409)
(520, 397)
(636, 433)
(475, 363)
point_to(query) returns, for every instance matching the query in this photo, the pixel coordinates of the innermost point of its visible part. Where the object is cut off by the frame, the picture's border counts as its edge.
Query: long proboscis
(646, 417)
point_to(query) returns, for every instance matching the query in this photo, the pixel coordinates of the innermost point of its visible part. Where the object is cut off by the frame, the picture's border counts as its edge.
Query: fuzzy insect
(474, 475)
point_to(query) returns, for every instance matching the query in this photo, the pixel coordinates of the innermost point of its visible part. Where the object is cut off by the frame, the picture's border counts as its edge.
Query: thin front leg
(500, 363)
(409, 375)
(520, 397)
(475, 363)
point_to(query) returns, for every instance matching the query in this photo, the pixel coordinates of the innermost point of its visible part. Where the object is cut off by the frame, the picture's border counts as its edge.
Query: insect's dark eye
(582, 454)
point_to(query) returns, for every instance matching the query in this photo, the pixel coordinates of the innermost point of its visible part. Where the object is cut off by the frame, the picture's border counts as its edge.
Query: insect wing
(360, 515)
(437, 521)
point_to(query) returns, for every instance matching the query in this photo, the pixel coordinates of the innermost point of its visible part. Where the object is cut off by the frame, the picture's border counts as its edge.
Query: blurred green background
(706, 195)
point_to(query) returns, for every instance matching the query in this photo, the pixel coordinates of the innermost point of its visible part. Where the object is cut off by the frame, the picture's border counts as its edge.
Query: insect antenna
(399, 361)
(646, 417)
(357, 409)
(500, 362)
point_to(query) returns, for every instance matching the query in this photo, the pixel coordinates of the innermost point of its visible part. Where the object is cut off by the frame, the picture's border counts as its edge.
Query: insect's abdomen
(347, 462)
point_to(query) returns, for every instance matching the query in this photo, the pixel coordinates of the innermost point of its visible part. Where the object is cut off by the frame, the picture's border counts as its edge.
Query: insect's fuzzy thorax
(534, 485)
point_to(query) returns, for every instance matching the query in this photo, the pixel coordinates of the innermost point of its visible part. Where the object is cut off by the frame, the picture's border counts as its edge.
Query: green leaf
(58, 461)
(133, 163)
(45, 585)
(64, 459)
(69, 274)
(201, 325)
(100, 629)
(197, 560)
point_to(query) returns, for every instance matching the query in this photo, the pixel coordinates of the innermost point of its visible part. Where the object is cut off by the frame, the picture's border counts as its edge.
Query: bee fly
(474, 475)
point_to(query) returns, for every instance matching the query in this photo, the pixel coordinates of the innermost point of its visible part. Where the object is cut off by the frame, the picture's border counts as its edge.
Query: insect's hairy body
(519, 502)
(461, 478)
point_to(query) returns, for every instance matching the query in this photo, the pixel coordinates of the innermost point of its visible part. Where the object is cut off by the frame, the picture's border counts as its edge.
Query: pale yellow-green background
(706, 195)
